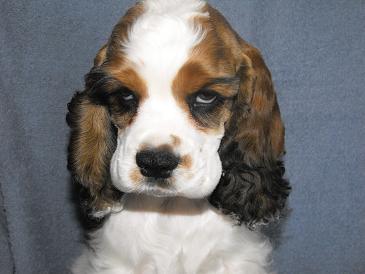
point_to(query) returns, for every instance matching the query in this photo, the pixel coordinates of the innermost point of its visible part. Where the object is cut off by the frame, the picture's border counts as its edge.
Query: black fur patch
(251, 194)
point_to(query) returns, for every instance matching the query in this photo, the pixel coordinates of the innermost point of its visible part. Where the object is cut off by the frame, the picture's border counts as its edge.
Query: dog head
(177, 104)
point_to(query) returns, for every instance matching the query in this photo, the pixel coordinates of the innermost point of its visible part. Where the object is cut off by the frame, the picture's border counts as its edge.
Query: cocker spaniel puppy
(177, 142)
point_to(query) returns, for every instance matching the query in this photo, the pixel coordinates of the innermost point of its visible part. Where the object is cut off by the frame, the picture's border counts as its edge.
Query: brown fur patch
(91, 146)
(91, 143)
(176, 141)
(186, 162)
(130, 79)
(136, 176)
(264, 120)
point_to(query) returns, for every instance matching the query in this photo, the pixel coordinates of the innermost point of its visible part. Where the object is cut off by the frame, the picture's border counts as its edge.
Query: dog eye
(204, 102)
(205, 98)
(127, 95)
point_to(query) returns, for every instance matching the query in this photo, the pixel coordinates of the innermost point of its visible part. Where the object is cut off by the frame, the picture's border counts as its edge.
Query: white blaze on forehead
(159, 42)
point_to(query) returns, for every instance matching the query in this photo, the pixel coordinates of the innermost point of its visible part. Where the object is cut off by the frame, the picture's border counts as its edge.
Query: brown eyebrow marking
(226, 86)
(223, 81)
(193, 77)
(109, 80)
(129, 78)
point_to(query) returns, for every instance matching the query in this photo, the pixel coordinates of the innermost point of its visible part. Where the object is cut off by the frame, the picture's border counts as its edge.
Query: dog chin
(158, 191)
(152, 187)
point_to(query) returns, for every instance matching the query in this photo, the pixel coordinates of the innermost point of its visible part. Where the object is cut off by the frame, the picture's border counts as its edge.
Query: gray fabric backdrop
(316, 52)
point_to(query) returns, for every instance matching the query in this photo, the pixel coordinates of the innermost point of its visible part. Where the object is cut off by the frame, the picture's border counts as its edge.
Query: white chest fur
(177, 235)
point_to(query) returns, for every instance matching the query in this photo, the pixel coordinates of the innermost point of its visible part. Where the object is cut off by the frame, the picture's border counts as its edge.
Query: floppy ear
(252, 188)
(92, 143)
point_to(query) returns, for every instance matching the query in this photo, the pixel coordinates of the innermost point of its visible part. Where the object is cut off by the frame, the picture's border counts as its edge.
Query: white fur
(169, 229)
(174, 235)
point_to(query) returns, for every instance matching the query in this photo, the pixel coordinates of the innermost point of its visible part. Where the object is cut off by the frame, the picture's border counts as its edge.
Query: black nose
(157, 163)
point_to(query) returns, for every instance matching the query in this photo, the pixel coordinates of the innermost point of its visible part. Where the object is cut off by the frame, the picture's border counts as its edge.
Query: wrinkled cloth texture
(316, 53)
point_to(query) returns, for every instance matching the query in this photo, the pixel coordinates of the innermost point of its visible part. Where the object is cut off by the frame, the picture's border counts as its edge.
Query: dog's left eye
(204, 106)
(204, 101)
(205, 98)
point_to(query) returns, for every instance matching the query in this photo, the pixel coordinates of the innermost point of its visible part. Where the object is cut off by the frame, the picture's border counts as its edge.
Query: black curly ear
(92, 143)
(252, 188)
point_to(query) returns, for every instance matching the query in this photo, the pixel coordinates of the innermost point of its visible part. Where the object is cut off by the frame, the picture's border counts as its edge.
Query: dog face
(178, 105)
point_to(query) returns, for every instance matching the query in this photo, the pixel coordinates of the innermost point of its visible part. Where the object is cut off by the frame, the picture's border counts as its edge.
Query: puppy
(177, 142)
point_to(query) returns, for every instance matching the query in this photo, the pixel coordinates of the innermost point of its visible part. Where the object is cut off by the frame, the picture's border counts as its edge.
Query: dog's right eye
(128, 97)
(126, 94)
(123, 100)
